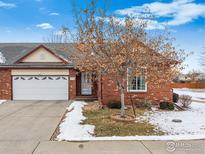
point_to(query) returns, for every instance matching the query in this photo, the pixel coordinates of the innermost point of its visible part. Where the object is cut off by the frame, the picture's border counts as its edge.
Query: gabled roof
(65, 61)
(14, 52)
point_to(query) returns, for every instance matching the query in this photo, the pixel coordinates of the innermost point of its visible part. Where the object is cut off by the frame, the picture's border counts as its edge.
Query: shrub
(163, 105)
(185, 100)
(114, 104)
(143, 104)
(175, 97)
(170, 106)
(166, 106)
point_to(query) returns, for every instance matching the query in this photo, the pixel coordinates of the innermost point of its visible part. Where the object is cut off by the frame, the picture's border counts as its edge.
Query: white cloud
(54, 14)
(7, 5)
(180, 11)
(44, 26)
(151, 24)
(154, 24)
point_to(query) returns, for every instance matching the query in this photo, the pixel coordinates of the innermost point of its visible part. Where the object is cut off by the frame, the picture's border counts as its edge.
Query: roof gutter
(28, 66)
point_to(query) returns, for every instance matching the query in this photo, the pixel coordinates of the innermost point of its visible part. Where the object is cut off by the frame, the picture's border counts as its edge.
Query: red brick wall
(109, 89)
(5, 84)
(72, 84)
(155, 94)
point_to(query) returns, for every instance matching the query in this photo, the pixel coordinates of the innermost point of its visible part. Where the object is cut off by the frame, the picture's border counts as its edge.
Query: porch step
(86, 98)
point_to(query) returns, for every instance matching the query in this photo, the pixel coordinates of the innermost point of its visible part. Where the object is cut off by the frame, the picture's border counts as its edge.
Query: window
(136, 84)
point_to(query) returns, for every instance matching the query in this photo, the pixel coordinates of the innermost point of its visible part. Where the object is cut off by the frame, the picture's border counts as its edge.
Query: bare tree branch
(109, 45)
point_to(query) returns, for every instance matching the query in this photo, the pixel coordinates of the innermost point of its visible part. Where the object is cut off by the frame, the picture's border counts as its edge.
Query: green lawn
(105, 126)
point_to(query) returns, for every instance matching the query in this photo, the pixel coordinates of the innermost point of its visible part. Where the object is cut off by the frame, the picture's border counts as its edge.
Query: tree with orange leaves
(124, 48)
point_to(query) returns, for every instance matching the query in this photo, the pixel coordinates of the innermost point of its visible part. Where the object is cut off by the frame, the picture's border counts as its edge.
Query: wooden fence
(189, 85)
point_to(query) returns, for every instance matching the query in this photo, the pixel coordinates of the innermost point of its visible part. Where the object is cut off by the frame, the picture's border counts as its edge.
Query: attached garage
(37, 72)
(40, 87)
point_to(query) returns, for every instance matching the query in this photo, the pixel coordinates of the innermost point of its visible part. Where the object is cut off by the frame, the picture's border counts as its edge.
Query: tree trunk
(122, 97)
(122, 114)
(100, 90)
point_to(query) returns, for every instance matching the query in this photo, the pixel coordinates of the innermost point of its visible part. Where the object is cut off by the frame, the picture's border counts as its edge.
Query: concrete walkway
(26, 128)
(122, 147)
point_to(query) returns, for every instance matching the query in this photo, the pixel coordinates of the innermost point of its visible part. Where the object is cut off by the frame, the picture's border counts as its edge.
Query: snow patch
(71, 127)
(193, 121)
(196, 94)
(2, 59)
(2, 101)
(140, 138)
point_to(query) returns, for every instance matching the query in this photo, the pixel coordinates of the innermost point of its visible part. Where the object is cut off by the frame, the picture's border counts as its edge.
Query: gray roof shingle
(14, 51)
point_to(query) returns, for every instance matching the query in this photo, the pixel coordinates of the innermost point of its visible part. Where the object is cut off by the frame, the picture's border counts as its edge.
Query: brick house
(34, 71)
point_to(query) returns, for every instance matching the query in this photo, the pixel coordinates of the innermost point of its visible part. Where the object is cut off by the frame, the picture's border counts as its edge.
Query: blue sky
(33, 20)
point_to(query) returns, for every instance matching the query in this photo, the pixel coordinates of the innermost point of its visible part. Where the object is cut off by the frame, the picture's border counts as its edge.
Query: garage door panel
(40, 87)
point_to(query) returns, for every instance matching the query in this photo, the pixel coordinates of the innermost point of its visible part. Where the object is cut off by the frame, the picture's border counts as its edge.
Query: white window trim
(143, 91)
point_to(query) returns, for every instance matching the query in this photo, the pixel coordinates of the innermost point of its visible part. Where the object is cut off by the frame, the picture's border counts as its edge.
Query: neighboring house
(201, 78)
(44, 72)
(197, 77)
(182, 78)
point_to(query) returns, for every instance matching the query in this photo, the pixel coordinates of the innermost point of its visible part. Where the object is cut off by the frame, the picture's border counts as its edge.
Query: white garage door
(40, 88)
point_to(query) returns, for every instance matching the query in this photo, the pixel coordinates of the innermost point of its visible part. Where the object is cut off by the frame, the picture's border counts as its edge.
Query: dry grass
(104, 126)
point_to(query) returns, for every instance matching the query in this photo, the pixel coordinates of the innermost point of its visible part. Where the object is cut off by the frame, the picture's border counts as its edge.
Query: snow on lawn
(71, 127)
(197, 94)
(2, 101)
(192, 125)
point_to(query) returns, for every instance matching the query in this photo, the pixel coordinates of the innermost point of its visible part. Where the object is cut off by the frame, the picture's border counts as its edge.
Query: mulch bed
(125, 118)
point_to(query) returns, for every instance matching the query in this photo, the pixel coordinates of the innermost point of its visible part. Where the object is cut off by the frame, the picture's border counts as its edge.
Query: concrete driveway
(24, 124)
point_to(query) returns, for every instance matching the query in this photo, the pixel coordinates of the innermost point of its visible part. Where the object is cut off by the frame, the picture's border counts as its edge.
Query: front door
(86, 83)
